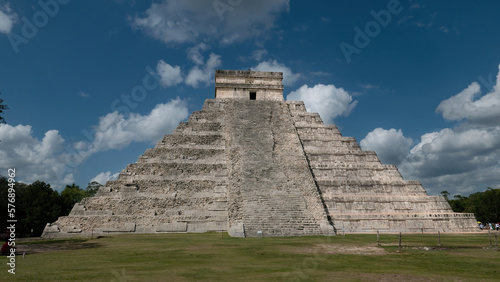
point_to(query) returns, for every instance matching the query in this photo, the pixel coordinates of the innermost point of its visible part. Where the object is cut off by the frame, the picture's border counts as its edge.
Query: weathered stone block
(172, 227)
(124, 227)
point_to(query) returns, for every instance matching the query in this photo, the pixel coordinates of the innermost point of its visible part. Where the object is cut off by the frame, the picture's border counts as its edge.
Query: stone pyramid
(252, 164)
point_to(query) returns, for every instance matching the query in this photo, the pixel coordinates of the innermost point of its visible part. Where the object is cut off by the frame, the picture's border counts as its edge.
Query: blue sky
(92, 84)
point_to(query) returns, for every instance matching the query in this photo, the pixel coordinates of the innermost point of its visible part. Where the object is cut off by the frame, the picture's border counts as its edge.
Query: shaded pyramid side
(363, 195)
(177, 186)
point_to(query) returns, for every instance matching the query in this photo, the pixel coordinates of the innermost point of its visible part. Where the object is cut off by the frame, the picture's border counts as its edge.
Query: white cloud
(203, 74)
(444, 29)
(190, 20)
(289, 77)
(321, 73)
(7, 18)
(443, 160)
(115, 131)
(369, 86)
(83, 94)
(257, 55)
(462, 159)
(466, 105)
(194, 53)
(104, 177)
(32, 158)
(327, 100)
(391, 145)
(452, 151)
(170, 76)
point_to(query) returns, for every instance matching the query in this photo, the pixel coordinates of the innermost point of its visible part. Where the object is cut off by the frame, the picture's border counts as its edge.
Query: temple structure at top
(248, 85)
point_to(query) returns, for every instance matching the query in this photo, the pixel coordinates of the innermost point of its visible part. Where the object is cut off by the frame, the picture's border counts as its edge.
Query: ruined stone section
(180, 185)
(248, 85)
(270, 186)
(363, 195)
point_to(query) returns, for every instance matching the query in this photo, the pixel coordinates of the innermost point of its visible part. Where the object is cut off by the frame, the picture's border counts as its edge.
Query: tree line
(37, 204)
(484, 205)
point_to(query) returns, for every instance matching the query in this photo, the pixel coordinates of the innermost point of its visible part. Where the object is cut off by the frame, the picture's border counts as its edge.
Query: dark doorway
(253, 95)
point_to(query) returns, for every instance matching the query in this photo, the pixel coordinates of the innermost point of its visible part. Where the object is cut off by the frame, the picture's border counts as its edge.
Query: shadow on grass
(53, 245)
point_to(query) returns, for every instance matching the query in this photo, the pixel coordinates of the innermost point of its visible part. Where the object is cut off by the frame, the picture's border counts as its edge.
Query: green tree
(71, 195)
(37, 205)
(490, 205)
(459, 203)
(92, 188)
(445, 194)
(2, 109)
(485, 205)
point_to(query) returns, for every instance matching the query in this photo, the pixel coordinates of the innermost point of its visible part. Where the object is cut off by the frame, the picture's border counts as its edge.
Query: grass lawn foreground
(218, 257)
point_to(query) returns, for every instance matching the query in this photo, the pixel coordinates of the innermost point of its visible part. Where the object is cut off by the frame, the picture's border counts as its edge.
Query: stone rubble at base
(252, 164)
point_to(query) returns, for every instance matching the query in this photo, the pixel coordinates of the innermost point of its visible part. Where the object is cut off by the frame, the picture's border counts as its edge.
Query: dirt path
(336, 249)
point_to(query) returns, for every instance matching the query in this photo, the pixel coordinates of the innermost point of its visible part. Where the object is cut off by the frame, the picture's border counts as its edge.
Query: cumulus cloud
(54, 160)
(104, 177)
(444, 159)
(461, 159)
(450, 151)
(391, 145)
(201, 73)
(289, 77)
(170, 76)
(466, 105)
(116, 131)
(32, 158)
(258, 54)
(194, 53)
(327, 100)
(204, 73)
(227, 21)
(7, 18)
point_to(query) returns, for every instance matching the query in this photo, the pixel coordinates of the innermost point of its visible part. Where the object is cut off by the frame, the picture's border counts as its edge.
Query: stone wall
(180, 185)
(231, 84)
(363, 195)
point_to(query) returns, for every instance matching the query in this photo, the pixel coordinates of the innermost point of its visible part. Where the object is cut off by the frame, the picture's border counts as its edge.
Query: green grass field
(216, 257)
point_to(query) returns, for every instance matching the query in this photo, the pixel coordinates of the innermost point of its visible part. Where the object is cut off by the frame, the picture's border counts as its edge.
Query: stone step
(343, 159)
(173, 168)
(342, 166)
(182, 139)
(387, 190)
(217, 160)
(183, 152)
(190, 146)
